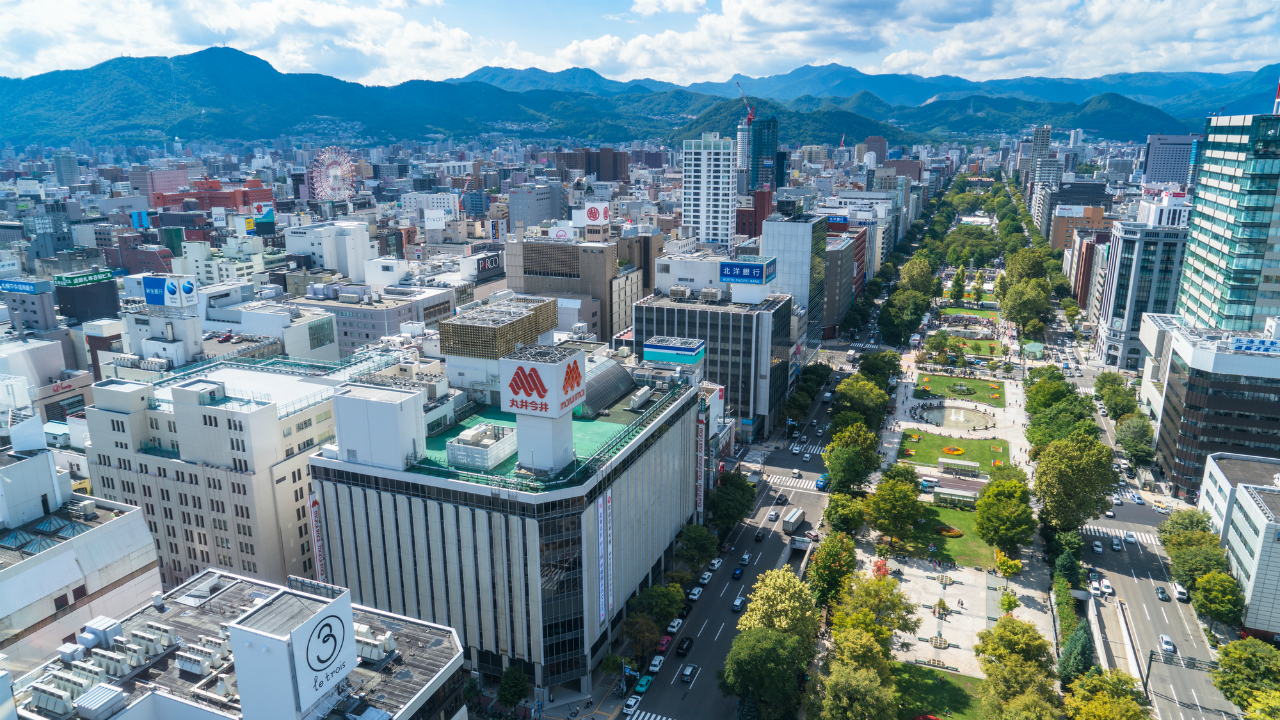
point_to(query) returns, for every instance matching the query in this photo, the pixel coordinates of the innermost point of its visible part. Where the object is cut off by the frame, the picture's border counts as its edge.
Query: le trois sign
(543, 389)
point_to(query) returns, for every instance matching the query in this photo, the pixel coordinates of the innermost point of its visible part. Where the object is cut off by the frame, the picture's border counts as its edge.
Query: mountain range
(225, 93)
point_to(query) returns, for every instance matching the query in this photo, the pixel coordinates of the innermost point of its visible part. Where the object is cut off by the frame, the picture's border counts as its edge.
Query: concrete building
(1069, 218)
(1169, 158)
(217, 460)
(709, 194)
(364, 316)
(1143, 272)
(66, 169)
(527, 528)
(1207, 391)
(474, 340)
(338, 245)
(87, 295)
(226, 647)
(148, 182)
(1224, 285)
(548, 265)
(528, 205)
(842, 268)
(1164, 205)
(1048, 197)
(64, 557)
(1079, 263)
(1242, 498)
(799, 243)
(304, 333)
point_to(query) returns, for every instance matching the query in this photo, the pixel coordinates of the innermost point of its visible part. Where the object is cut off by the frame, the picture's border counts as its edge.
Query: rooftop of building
(52, 529)
(498, 313)
(384, 302)
(203, 607)
(1255, 342)
(689, 343)
(724, 305)
(1267, 498)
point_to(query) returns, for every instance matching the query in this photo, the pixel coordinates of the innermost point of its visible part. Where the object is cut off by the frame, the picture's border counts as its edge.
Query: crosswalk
(640, 715)
(812, 448)
(785, 481)
(1147, 538)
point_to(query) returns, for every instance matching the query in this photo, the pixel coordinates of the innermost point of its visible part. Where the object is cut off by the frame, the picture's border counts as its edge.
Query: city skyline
(680, 41)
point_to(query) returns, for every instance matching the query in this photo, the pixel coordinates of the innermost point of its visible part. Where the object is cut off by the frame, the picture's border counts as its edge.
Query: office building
(473, 341)
(1040, 139)
(1048, 197)
(1168, 158)
(338, 245)
(528, 205)
(64, 557)
(799, 243)
(227, 647)
(1208, 392)
(841, 269)
(87, 295)
(878, 145)
(750, 350)
(65, 168)
(1077, 138)
(1079, 263)
(149, 182)
(209, 194)
(1225, 285)
(1047, 172)
(1145, 265)
(364, 315)
(1164, 205)
(1242, 498)
(547, 265)
(216, 457)
(1067, 219)
(764, 153)
(527, 526)
(709, 194)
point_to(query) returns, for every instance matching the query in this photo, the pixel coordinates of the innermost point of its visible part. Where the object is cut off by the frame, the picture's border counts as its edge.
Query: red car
(664, 643)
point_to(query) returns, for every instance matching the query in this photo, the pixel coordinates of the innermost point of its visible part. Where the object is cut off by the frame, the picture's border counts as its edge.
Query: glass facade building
(799, 242)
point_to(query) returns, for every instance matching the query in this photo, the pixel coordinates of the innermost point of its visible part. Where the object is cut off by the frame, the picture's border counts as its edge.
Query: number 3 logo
(325, 641)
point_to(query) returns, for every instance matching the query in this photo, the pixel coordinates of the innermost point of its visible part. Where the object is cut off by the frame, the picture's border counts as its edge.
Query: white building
(64, 558)
(225, 647)
(1241, 494)
(799, 243)
(304, 333)
(709, 197)
(239, 259)
(338, 245)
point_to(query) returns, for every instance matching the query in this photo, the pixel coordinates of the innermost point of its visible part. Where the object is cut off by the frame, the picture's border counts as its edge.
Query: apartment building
(710, 193)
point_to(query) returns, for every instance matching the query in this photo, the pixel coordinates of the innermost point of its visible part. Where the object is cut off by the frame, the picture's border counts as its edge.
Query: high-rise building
(1145, 266)
(1077, 137)
(878, 145)
(764, 153)
(65, 168)
(1168, 158)
(799, 242)
(1224, 285)
(710, 194)
(338, 245)
(543, 265)
(528, 205)
(1068, 218)
(1040, 141)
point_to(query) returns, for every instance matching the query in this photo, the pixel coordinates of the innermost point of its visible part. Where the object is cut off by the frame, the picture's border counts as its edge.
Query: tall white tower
(542, 385)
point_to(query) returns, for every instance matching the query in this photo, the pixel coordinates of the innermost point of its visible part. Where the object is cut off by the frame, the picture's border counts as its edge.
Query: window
(78, 593)
(60, 602)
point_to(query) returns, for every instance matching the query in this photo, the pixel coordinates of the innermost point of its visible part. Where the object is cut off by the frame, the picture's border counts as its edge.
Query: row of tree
(810, 384)
(1133, 429)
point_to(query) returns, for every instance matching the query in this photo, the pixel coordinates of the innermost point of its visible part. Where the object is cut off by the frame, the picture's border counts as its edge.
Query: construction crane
(751, 111)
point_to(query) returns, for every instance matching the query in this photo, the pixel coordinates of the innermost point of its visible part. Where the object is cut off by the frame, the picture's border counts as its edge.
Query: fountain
(954, 417)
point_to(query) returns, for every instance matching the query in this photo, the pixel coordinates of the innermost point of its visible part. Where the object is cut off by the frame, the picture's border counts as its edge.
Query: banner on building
(600, 555)
(317, 544)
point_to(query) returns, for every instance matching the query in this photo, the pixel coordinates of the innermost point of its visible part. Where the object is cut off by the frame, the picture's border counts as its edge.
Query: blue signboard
(21, 286)
(838, 219)
(749, 273)
(153, 290)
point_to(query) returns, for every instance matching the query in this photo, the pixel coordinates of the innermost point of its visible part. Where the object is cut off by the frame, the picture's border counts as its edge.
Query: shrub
(1066, 605)
(1212, 638)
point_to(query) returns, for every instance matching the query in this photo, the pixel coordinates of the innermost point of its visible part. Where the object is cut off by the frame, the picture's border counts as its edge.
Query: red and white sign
(543, 389)
(527, 382)
(597, 213)
(317, 545)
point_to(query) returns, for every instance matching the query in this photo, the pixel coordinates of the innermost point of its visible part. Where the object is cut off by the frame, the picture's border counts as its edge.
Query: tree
(1077, 655)
(470, 691)
(1217, 596)
(856, 693)
(844, 513)
(894, 506)
(917, 275)
(1134, 435)
(1103, 683)
(513, 688)
(1074, 481)
(696, 546)
(782, 601)
(882, 366)
(757, 665)
(830, 564)
(1025, 302)
(1107, 380)
(1264, 705)
(851, 458)
(902, 472)
(1026, 265)
(863, 395)
(1068, 568)
(1105, 707)
(1009, 602)
(956, 293)
(1183, 521)
(1007, 566)
(855, 646)
(1014, 638)
(731, 501)
(1246, 667)
(660, 602)
(1191, 564)
(612, 664)
(1001, 286)
(1119, 401)
(877, 606)
(1030, 706)
(643, 634)
(1004, 517)
(1010, 678)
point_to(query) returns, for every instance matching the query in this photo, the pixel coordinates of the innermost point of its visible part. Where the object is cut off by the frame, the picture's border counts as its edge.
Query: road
(712, 623)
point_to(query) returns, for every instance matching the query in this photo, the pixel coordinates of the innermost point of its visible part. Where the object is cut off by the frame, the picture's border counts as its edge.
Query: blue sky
(390, 41)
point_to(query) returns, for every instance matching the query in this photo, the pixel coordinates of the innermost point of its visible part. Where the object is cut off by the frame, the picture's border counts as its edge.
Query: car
(664, 643)
(1137, 499)
(225, 338)
(807, 457)
(630, 707)
(1166, 644)
(644, 683)
(725, 547)
(795, 472)
(715, 564)
(1129, 473)
(760, 535)
(737, 573)
(686, 644)
(705, 579)
(746, 559)
(819, 433)
(795, 434)
(1095, 589)
(656, 663)
(1163, 510)
(1106, 587)
(1129, 537)
(795, 449)
(1115, 500)
(780, 500)
(773, 515)
(684, 611)
(1097, 546)
(822, 482)
(813, 422)
(812, 535)
(1109, 514)
(804, 438)
(689, 672)
(1093, 574)
(739, 603)
(674, 627)
(1162, 594)
(1103, 412)
(695, 593)
(1115, 466)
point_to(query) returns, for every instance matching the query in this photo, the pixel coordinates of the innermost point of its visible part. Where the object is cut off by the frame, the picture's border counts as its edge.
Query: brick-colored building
(210, 194)
(1068, 218)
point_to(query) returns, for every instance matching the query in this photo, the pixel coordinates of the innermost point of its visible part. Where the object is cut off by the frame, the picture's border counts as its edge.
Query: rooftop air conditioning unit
(710, 294)
(51, 699)
(679, 292)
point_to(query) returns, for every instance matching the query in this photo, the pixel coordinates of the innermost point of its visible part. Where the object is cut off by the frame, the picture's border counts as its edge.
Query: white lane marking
(717, 637)
(1144, 610)
(704, 627)
(1166, 617)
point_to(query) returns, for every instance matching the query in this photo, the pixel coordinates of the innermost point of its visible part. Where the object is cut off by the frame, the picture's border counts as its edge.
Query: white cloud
(651, 7)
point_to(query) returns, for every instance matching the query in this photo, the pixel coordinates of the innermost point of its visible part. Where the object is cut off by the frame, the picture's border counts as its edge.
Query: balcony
(158, 450)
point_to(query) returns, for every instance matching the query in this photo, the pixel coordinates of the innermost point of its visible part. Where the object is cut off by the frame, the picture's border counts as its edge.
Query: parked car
(664, 643)
(705, 579)
(1106, 587)
(1095, 589)
(674, 627)
(1109, 514)
(715, 564)
(656, 664)
(685, 645)
(630, 707)
(695, 593)
(684, 610)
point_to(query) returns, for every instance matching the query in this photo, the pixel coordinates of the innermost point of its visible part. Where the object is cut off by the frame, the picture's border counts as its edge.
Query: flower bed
(961, 389)
(948, 531)
(953, 450)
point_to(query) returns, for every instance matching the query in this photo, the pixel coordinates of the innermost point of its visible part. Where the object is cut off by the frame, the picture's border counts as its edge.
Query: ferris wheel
(333, 175)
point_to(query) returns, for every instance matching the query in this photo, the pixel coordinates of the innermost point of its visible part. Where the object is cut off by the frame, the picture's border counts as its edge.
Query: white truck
(793, 520)
(826, 398)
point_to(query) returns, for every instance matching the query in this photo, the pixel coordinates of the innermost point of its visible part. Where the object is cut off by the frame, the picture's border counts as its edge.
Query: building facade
(1145, 266)
(1169, 158)
(709, 195)
(799, 243)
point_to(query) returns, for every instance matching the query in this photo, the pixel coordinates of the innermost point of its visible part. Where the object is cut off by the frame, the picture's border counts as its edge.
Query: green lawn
(993, 314)
(943, 384)
(919, 693)
(930, 448)
(967, 551)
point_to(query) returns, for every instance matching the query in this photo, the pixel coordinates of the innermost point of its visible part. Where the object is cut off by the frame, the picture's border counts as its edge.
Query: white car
(656, 665)
(695, 593)
(705, 579)
(1166, 644)
(1129, 537)
(632, 703)
(807, 457)
(1106, 587)
(1095, 589)
(674, 627)
(773, 515)
(715, 564)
